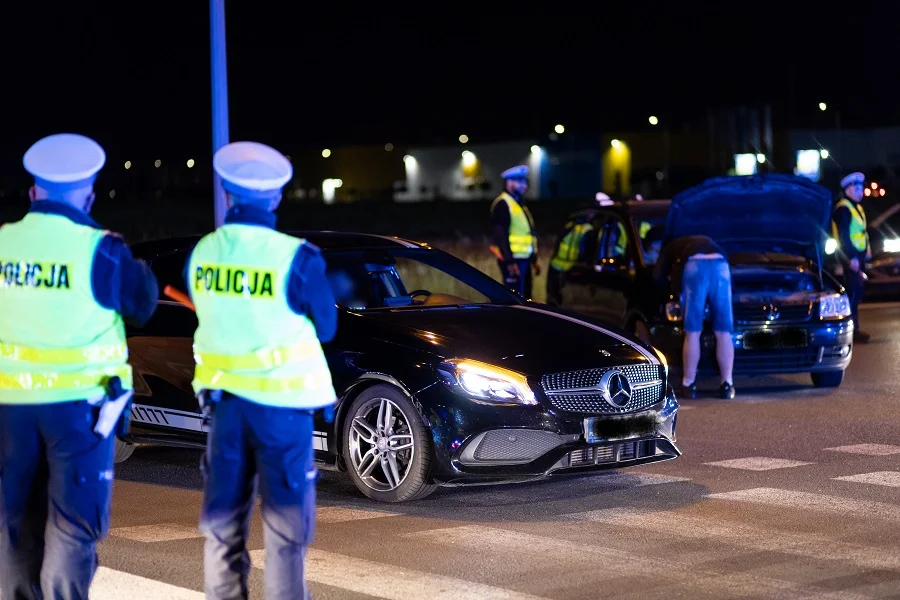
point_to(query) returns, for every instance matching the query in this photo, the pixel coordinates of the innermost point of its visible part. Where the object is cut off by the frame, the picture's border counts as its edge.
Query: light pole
(219, 96)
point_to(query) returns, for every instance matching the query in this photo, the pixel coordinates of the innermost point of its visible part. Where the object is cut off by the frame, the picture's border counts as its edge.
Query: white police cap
(64, 161)
(252, 170)
(853, 179)
(519, 172)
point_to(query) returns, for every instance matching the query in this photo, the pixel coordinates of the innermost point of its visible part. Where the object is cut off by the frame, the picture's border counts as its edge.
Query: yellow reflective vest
(569, 250)
(248, 340)
(57, 343)
(522, 241)
(859, 237)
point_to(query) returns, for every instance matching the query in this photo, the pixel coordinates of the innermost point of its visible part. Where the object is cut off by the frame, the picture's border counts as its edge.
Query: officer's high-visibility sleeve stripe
(221, 380)
(50, 381)
(67, 356)
(263, 359)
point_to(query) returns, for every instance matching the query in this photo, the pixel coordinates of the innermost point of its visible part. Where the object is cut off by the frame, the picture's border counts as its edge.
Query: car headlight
(673, 311)
(892, 245)
(834, 306)
(488, 383)
(662, 360)
(830, 246)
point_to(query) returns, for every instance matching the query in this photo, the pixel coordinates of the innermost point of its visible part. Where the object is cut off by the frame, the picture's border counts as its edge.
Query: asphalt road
(785, 492)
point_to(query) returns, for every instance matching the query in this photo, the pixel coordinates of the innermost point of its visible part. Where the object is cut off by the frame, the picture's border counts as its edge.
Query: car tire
(366, 443)
(827, 379)
(122, 451)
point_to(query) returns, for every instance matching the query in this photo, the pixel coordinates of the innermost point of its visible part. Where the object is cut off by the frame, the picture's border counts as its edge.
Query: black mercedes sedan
(444, 376)
(791, 316)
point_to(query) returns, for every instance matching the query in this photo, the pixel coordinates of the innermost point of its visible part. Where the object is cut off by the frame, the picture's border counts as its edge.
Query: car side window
(169, 270)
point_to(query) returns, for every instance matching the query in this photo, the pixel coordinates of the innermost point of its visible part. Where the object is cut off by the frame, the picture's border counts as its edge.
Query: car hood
(529, 339)
(762, 213)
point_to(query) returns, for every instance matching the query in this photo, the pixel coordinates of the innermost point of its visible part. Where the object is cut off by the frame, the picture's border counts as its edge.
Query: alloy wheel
(381, 443)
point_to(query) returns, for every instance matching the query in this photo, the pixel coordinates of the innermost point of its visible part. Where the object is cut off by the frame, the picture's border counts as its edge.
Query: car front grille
(578, 391)
(624, 451)
(759, 313)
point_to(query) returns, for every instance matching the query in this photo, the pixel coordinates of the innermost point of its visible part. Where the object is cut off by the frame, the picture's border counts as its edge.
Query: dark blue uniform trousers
(523, 281)
(55, 491)
(254, 446)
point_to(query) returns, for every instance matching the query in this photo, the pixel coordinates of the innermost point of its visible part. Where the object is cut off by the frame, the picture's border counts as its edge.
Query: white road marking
(868, 449)
(336, 514)
(162, 532)
(390, 582)
(757, 463)
(615, 562)
(846, 507)
(109, 584)
(679, 526)
(887, 478)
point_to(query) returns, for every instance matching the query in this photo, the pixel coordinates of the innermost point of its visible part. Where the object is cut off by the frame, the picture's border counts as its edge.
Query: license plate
(608, 429)
(774, 339)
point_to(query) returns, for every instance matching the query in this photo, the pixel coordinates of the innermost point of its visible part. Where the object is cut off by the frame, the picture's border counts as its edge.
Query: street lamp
(823, 107)
(219, 81)
(559, 129)
(463, 139)
(654, 120)
(616, 144)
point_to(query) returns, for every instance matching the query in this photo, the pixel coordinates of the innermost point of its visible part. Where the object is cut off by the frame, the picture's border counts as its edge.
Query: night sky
(135, 75)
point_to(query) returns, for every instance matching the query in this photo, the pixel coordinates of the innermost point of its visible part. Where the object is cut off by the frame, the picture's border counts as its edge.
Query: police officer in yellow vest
(66, 288)
(849, 229)
(515, 241)
(264, 308)
(572, 248)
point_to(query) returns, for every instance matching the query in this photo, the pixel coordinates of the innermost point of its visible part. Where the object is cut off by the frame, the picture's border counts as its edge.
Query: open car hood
(758, 213)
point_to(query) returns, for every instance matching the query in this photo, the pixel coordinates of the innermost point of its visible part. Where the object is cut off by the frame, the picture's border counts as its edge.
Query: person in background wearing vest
(66, 288)
(572, 248)
(515, 243)
(264, 307)
(848, 228)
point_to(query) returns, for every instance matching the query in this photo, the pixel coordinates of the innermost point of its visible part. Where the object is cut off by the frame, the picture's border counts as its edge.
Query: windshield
(409, 278)
(650, 230)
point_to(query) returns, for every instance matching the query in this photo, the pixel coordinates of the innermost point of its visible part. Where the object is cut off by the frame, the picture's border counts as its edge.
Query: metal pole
(219, 96)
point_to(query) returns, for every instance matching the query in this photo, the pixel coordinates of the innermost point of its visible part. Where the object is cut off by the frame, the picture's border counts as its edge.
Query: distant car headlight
(892, 245)
(834, 306)
(673, 311)
(830, 246)
(487, 382)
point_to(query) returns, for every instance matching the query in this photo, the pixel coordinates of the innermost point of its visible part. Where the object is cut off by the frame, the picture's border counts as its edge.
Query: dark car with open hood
(444, 376)
(790, 315)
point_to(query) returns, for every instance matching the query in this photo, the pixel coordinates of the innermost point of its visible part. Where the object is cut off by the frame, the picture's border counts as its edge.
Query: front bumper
(483, 445)
(829, 348)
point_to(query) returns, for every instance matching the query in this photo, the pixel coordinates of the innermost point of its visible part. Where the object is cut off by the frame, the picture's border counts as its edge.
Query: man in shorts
(697, 269)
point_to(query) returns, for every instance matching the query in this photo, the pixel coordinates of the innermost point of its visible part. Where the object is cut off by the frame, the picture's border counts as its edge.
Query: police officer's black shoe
(688, 391)
(861, 337)
(726, 391)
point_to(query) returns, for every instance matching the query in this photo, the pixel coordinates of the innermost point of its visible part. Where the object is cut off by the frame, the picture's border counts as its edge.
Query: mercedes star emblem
(616, 388)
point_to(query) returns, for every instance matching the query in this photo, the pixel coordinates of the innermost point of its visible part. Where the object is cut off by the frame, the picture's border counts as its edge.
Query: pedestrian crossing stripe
(390, 582)
(700, 568)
